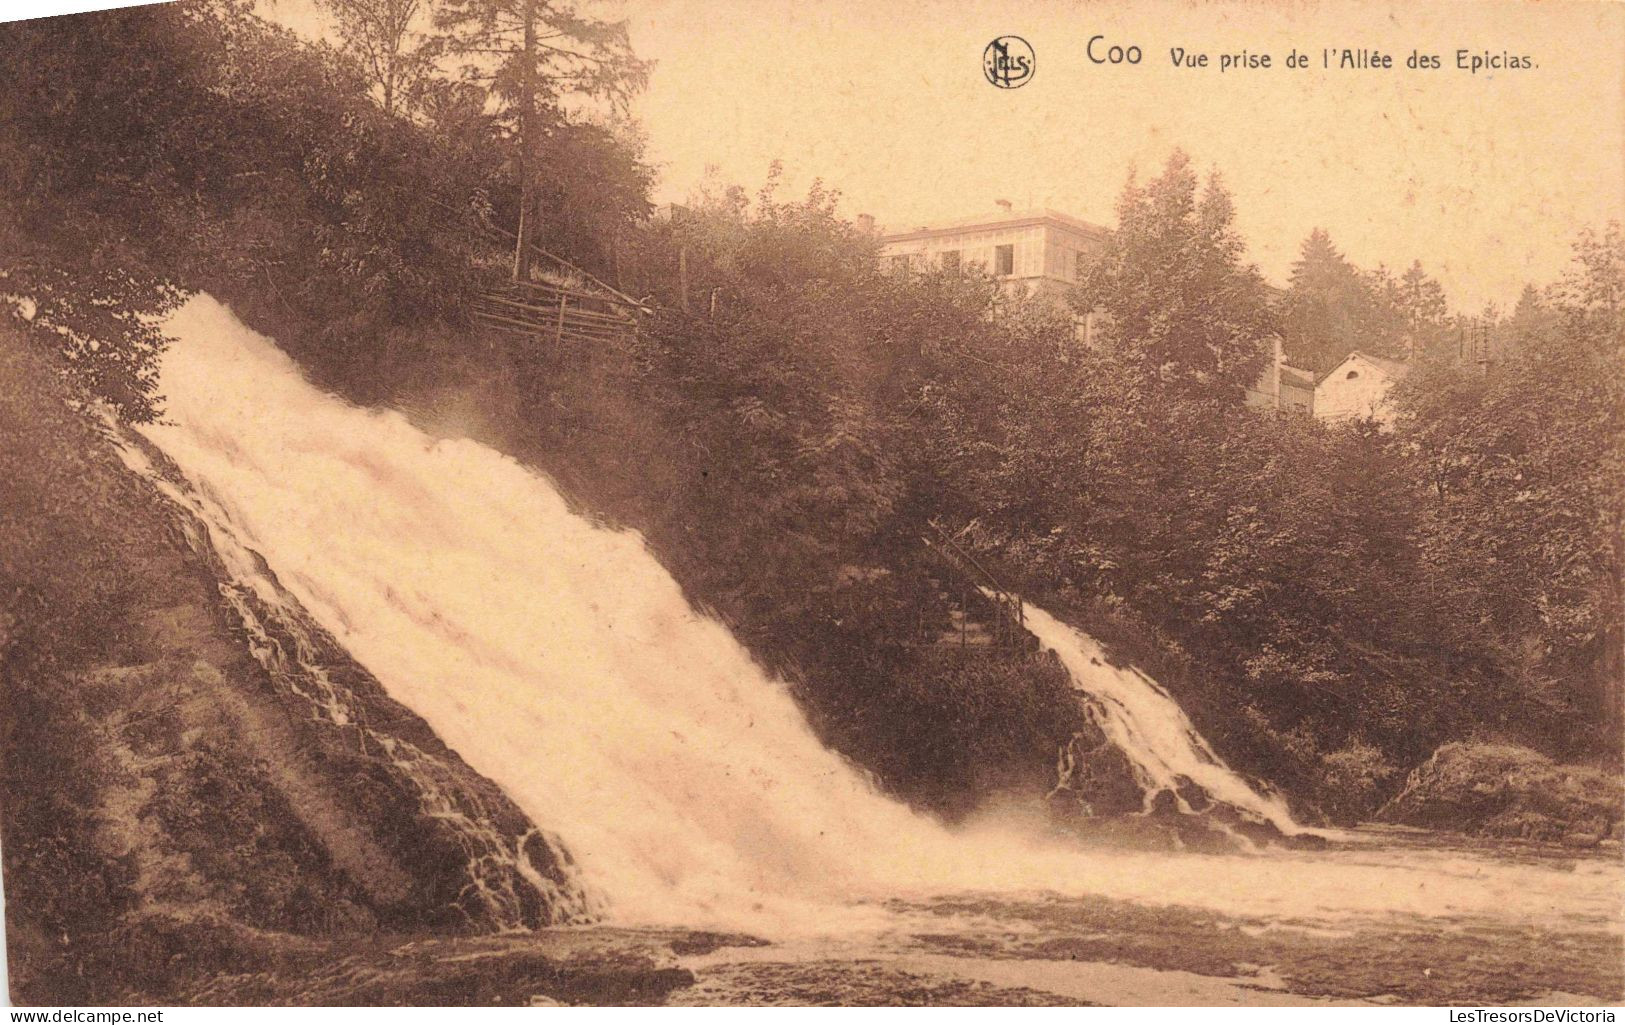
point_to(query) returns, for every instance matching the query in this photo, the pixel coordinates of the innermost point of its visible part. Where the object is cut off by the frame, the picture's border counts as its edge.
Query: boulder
(1511, 791)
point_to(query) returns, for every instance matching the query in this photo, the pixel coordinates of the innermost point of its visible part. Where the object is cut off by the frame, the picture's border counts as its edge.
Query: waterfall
(557, 657)
(561, 661)
(1142, 720)
(514, 880)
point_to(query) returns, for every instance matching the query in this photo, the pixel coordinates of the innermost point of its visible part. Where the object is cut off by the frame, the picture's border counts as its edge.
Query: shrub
(1353, 782)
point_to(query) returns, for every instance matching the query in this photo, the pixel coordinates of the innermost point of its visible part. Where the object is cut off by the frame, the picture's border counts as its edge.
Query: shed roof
(1392, 367)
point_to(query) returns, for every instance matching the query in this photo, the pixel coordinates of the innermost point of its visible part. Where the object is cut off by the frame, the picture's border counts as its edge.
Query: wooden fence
(578, 308)
(559, 313)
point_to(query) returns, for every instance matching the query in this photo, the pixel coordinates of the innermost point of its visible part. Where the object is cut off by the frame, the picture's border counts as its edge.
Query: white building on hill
(1034, 252)
(1043, 253)
(1358, 388)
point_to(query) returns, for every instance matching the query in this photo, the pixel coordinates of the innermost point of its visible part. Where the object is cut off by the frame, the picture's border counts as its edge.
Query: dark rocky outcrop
(1508, 791)
(171, 750)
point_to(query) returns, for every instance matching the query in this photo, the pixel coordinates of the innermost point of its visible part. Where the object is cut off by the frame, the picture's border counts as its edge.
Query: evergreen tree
(1331, 309)
(1420, 303)
(1531, 317)
(1181, 307)
(531, 55)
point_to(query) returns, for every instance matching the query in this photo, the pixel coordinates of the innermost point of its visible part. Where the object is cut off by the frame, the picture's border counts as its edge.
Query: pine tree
(1422, 303)
(532, 55)
(1181, 307)
(1332, 309)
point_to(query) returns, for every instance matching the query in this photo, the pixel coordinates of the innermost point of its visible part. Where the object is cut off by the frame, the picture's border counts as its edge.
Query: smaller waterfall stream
(1144, 722)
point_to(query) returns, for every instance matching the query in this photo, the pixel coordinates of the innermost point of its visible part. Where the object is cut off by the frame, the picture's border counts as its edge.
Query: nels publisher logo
(1008, 62)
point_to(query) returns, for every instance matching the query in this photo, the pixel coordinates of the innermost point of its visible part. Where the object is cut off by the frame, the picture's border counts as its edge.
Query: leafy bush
(1354, 781)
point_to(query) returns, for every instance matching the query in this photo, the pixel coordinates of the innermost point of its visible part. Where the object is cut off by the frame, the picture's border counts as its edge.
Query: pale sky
(1486, 178)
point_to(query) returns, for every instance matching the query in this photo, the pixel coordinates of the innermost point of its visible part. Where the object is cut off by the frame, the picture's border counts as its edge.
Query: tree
(381, 36)
(532, 55)
(1331, 309)
(1181, 307)
(194, 146)
(1418, 308)
(102, 123)
(1524, 466)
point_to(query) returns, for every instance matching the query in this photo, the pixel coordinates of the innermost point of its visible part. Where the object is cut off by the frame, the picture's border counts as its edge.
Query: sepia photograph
(812, 503)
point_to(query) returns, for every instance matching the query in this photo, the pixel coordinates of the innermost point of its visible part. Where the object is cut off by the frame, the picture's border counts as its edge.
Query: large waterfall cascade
(563, 662)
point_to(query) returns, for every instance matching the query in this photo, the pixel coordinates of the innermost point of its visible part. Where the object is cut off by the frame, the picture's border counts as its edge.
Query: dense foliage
(1183, 314)
(1520, 484)
(193, 145)
(1331, 603)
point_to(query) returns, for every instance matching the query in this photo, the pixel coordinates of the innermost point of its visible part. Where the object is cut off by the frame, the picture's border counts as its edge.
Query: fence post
(558, 338)
(682, 278)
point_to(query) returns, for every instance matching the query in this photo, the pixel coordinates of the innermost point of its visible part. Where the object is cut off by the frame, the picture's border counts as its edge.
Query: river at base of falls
(1049, 948)
(1039, 948)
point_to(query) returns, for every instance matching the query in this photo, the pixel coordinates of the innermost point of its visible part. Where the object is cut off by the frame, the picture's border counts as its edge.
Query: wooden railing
(565, 266)
(591, 312)
(557, 312)
(1009, 614)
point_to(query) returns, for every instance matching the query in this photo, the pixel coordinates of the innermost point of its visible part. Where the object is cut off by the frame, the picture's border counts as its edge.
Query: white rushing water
(281, 639)
(1143, 720)
(563, 662)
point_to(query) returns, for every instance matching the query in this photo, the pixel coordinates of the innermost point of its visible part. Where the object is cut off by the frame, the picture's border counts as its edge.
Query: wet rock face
(1095, 779)
(473, 860)
(171, 744)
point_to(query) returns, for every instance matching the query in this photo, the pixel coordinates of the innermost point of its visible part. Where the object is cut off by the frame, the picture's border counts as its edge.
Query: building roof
(1388, 365)
(1013, 219)
(1296, 377)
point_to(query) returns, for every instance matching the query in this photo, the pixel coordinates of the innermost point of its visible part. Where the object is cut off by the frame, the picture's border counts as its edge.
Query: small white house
(1358, 388)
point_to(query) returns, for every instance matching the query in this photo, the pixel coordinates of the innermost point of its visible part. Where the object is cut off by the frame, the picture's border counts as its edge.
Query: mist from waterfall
(560, 660)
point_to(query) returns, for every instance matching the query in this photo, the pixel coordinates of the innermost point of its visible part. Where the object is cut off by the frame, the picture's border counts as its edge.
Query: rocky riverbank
(1502, 790)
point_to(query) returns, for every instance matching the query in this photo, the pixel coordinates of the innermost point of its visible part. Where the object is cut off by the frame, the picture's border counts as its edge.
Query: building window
(1352, 375)
(950, 261)
(1080, 265)
(1004, 260)
(899, 265)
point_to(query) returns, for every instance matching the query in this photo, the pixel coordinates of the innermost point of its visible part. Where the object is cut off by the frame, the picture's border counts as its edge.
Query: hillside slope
(183, 770)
